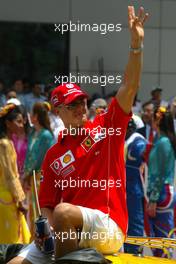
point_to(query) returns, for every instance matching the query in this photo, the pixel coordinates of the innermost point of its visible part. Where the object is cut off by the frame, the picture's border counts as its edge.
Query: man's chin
(81, 124)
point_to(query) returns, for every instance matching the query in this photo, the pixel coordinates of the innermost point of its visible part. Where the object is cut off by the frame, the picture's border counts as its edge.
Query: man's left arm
(126, 93)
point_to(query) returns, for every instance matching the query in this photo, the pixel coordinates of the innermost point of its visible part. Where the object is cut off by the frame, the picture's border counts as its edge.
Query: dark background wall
(160, 37)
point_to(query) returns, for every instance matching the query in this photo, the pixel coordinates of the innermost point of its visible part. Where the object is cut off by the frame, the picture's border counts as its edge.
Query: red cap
(66, 93)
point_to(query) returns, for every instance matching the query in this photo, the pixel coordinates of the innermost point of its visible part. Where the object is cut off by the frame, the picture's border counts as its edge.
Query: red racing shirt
(89, 169)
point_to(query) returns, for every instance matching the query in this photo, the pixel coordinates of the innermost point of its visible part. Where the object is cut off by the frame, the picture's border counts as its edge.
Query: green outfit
(38, 145)
(161, 167)
(161, 188)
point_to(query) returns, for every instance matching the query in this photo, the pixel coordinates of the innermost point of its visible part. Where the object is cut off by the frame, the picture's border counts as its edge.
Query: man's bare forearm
(134, 67)
(131, 82)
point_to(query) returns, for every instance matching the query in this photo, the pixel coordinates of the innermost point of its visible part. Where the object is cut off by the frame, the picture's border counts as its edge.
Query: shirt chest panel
(78, 155)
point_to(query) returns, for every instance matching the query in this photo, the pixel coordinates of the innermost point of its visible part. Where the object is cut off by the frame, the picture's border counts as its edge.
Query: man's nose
(82, 108)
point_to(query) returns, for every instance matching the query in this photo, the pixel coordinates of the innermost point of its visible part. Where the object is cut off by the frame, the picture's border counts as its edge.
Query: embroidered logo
(67, 158)
(54, 99)
(70, 85)
(56, 166)
(68, 170)
(88, 143)
(60, 163)
(72, 91)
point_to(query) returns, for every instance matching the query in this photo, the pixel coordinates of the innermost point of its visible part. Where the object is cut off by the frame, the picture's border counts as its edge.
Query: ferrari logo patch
(88, 143)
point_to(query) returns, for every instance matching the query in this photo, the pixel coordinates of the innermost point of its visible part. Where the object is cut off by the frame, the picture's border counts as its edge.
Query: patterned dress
(161, 186)
(20, 144)
(13, 226)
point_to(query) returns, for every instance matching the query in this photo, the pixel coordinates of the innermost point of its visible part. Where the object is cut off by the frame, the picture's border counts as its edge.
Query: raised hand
(136, 25)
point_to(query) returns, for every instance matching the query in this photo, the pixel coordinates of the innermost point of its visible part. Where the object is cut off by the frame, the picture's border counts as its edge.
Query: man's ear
(60, 111)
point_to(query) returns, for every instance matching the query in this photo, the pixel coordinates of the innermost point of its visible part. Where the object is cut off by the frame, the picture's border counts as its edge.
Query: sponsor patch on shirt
(56, 166)
(88, 143)
(67, 158)
(59, 164)
(95, 136)
(70, 85)
(68, 170)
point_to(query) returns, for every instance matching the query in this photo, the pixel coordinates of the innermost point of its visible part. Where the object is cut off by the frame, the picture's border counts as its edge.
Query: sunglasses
(74, 105)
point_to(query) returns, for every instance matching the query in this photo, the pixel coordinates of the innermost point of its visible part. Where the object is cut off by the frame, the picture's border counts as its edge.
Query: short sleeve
(114, 118)
(49, 194)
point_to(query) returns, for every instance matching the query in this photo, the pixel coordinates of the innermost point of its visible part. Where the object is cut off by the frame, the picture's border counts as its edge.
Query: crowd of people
(150, 169)
(150, 150)
(32, 122)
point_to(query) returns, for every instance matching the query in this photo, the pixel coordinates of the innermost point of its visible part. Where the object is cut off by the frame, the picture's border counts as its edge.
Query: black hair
(131, 128)
(41, 110)
(147, 103)
(10, 116)
(166, 126)
(17, 79)
(37, 82)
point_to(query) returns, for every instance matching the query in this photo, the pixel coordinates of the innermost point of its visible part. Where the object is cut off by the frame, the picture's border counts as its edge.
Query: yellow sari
(13, 226)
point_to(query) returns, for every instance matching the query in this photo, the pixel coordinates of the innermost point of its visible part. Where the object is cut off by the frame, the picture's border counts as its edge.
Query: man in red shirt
(83, 191)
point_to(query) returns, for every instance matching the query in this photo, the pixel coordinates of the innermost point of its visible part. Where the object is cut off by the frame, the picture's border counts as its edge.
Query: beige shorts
(100, 231)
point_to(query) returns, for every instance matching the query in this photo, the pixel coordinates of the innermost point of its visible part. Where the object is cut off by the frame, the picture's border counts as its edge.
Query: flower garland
(6, 109)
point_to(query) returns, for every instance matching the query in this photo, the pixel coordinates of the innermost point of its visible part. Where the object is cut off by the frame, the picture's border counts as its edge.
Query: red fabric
(168, 197)
(85, 158)
(149, 146)
(66, 93)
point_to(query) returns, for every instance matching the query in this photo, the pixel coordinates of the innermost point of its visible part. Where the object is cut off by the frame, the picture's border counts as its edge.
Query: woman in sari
(13, 226)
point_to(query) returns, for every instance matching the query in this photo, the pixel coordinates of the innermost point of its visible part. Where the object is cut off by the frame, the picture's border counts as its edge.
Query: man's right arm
(127, 92)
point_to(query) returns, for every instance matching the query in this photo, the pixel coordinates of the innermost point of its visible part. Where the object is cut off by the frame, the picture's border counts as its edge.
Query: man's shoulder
(53, 151)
